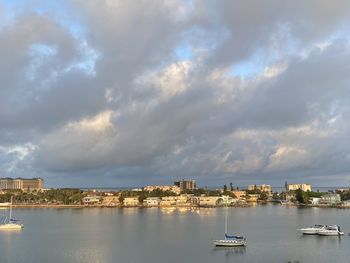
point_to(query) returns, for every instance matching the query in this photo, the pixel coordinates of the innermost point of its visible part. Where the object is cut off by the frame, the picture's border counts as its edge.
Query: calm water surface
(173, 235)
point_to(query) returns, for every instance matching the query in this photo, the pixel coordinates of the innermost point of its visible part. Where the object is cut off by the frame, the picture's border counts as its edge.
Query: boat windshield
(332, 228)
(319, 226)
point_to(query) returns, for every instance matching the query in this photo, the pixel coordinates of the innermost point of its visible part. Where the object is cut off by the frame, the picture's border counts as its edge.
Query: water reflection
(179, 210)
(321, 239)
(230, 251)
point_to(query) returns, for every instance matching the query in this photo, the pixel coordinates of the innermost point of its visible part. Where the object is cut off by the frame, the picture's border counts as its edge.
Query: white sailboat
(11, 224)
(230, 241)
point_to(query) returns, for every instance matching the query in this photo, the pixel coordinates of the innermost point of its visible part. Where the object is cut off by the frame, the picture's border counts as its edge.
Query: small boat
(229, 241)
(11, 224)
(312, 230)
(331, 230)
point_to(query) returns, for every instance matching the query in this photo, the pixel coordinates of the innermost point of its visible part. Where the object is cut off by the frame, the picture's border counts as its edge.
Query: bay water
(157, 235)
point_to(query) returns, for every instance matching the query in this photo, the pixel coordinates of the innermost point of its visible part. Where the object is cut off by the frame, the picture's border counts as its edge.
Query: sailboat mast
(225, 220)
(11, 209)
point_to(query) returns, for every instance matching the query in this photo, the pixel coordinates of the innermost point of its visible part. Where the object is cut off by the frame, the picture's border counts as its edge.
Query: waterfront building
(23, 184)
(330, 199)
(186, 184)
(168, 201)
(175, 189)
(152, 201)
(110, 200)
(315, 200)
(263, 188)
(209, 200)
(32, 184)
(240, 195)
(226, 199)
(131, 201)
(252, 197)
(194, 200)
(303, 187)
(92, 200)
(346, 203)
(182, 200)
(216, 200)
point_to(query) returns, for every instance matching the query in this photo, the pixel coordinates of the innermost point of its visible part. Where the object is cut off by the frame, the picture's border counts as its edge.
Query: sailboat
(11, 224)
(230, 241)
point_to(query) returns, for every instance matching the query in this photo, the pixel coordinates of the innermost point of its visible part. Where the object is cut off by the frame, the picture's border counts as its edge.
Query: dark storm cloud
(269, 26)
(103, 95)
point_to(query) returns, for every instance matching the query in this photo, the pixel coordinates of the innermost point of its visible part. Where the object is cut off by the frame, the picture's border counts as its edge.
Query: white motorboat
(230, 241)
(331, 230)
(312, 230)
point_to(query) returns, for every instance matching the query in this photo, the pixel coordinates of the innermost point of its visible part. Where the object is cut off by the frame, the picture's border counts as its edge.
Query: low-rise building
(184, 200)
(152, 201)
(252, 197)
(92, 200)
(173, 188)
(168, 201)
(131, 201)
(228, 200)
(216, 200)
(330, 199)
(111, 200)
(345, 203)
(315, 200)
(263, 188)
(240, 195)
(303, 187)
(210, 200)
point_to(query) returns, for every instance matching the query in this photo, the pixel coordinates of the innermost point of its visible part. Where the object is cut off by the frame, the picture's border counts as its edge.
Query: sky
(114, 93)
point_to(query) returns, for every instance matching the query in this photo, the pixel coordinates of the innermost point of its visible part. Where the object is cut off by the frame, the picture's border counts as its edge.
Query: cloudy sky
(129, 93)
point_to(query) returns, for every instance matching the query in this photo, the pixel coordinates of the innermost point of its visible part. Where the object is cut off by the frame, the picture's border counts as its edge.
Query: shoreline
(19, 206)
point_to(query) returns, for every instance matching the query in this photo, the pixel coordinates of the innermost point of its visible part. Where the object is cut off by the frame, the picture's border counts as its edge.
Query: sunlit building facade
(186, 184)
(303, 187)
(32, 184)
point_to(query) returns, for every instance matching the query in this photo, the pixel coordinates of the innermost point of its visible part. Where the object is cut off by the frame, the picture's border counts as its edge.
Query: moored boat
(314, 230)
(229, 241)
(11, 224)
(331, 230)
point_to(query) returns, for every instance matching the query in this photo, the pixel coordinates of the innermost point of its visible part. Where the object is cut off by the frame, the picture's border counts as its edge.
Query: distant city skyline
(133, 93)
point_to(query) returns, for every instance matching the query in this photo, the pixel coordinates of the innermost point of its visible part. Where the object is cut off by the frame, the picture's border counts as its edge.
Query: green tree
(301, 196)
(231, 186)
(142, 197)
(276, 196)
(263, 196)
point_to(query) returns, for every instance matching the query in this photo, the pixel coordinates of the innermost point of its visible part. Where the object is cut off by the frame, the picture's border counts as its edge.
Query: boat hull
(229, 243)
(11, 226)
(330, 233)
(306, 231)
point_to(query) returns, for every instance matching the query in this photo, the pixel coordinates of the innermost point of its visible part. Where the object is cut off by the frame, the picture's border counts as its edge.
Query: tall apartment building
(304, 187)
(21, 184)
(186, 184)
